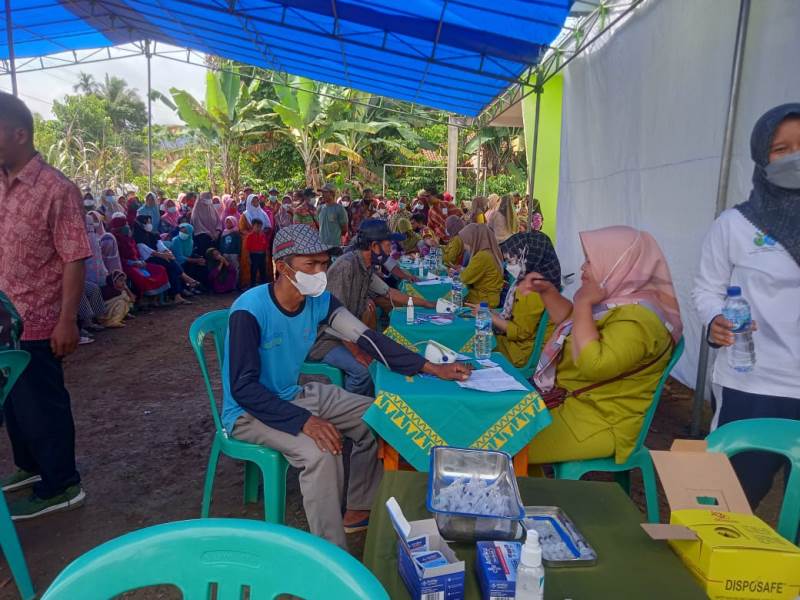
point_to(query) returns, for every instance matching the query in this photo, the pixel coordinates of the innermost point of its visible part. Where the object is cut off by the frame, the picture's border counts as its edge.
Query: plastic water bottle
(530, 572)
(457, 293)
(410, 311)
(742, 355)
(483, 332)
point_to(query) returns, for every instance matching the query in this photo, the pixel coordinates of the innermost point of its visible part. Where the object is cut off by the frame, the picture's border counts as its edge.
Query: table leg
(521, 463)
(391, 459)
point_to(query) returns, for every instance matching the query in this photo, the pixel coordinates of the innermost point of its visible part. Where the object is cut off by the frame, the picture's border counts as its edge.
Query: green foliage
(259, 128)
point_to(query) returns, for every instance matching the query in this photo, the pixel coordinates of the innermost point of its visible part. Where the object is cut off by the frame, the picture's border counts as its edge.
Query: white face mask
(514, 270)
(402, 205)
(207, 201)
(109, 198)
(444, 211)
(310, 285)
(88, 203)
(417, 207)
(785, 172)
(148, 227)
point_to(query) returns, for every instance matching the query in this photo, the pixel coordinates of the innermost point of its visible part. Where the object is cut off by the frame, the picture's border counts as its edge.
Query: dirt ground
(143, 435)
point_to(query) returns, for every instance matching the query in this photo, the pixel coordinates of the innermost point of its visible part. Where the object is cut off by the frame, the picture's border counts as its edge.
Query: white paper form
(491, 380)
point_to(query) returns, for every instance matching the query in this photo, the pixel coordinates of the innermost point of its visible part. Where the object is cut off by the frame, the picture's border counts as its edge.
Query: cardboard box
(496, 563)
(418, 540)
(734, 554)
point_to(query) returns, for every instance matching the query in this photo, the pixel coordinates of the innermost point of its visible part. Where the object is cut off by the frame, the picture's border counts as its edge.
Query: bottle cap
(531, 555)
(734, 291)
(484, 305)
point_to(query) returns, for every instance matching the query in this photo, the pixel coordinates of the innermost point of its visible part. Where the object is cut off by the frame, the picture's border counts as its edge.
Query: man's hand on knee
(324, 434)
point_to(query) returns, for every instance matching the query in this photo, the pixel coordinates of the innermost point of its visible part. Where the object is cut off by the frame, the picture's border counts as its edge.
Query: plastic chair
(639, 458)
(781, 436)
(230, 555)
(538, 343)
(271, 463)
(13, 362)
(318, 368)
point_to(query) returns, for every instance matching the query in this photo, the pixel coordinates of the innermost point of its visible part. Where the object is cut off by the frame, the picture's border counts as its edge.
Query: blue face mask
(183, 235)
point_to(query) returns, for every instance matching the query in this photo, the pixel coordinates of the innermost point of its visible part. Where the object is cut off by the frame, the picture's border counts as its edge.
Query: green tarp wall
(548, 154)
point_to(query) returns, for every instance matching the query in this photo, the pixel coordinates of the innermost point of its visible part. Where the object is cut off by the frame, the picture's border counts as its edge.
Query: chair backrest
(233, 554)
(648, 417)
(12, 364)
(779, 436)
(216, 324)
(529, 370)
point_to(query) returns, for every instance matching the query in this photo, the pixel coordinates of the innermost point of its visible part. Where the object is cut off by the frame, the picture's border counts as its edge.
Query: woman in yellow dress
(483, 274)
(609, 349)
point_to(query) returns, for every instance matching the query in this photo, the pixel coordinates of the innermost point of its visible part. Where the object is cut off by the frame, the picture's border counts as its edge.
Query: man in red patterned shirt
(43, 245)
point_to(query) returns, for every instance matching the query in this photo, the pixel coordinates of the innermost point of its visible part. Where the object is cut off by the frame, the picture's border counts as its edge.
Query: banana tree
(227, 121)
(302, 112)
(501, 148)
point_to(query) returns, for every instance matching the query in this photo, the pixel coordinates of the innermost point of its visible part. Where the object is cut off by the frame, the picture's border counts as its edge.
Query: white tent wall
(643, 123)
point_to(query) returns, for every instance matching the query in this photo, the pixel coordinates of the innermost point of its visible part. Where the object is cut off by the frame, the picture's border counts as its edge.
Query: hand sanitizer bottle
(530, 573)
(410, 312)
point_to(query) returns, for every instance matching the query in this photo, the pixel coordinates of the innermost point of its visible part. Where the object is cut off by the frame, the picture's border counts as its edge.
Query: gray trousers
(321, 473)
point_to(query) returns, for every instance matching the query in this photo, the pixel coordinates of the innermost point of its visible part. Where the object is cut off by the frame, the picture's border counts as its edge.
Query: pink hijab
(229, 207)
(631, 264)
(204, 217)
(231, 224)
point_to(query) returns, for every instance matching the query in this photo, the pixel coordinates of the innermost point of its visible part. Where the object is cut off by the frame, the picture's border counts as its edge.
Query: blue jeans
(357, 379)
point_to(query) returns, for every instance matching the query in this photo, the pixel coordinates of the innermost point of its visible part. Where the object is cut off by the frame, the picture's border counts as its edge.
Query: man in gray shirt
(332, 217)
(352, 279)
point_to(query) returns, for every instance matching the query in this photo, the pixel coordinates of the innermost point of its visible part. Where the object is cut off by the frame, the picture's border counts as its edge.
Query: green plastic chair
(317, 368)
(639, 458)
(13, 363)
(781, 436)
(538, 343)
(229, 555)
(262, 464)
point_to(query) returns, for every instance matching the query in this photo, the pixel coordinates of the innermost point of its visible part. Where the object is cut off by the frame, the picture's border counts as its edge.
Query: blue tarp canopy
(455, 55)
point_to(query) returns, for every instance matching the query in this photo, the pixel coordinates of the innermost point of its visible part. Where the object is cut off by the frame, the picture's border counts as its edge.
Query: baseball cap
(297, 240)
(376, 230)
(271, 190)
(328, 187)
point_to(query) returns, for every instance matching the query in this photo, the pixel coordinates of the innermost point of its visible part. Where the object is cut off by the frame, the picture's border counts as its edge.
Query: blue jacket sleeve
(244, 370)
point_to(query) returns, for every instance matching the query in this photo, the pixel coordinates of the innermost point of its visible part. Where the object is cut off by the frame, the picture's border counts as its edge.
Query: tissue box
(420, 568)
(496, 563)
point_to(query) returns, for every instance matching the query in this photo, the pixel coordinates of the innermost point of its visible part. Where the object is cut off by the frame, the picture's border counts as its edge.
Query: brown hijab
(479, 237)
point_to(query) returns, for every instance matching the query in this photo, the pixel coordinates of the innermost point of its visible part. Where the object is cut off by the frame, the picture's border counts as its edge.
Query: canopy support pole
(10, 39)
(452, 156)
(722, 197)
(149, 54)
(538, 89)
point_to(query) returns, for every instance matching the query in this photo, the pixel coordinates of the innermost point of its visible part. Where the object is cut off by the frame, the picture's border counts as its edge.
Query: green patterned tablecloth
(430, 292)
(458, 335)
(413, 414)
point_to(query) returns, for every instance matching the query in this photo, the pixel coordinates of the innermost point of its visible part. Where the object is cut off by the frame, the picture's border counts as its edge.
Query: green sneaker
(33, 506)
(19, 480)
